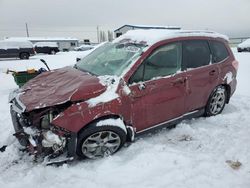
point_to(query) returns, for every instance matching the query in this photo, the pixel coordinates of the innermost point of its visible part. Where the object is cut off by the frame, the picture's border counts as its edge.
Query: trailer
(64, 44)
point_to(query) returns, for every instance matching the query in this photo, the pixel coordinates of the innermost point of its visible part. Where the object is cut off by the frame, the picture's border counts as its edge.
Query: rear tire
(216, 101)
(24, 55)
(100, 141)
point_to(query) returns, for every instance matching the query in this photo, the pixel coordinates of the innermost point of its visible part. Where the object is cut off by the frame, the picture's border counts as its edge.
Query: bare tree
(104, 36)
(110, 36)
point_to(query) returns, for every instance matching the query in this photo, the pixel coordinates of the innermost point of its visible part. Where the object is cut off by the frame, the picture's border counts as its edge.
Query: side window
(164, 61)
(219, 51)
(196, 53)
(72, 44)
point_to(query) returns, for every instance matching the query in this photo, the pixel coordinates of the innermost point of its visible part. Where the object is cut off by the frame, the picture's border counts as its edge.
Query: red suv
(143, 80)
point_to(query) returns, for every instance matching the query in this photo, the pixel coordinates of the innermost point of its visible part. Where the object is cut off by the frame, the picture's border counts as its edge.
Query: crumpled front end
(39, 137)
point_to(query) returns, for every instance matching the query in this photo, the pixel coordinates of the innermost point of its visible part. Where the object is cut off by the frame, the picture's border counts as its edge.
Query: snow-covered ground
(192, 155)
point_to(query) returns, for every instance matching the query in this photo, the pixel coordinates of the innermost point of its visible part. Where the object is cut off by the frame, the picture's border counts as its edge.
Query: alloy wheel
(101, 144)
(217, 101)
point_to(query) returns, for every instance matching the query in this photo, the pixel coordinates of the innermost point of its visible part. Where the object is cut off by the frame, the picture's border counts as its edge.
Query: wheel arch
(228, 90)
(130, 130)
(104, 117)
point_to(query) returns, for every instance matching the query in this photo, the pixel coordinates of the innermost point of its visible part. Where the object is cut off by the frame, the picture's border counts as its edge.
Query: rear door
(158, 88)
(202, 75)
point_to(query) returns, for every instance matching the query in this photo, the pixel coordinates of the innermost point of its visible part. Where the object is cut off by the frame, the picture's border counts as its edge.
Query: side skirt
(190, 115)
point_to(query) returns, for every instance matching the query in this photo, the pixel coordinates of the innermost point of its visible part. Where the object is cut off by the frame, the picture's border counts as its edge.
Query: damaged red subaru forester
(143, 80)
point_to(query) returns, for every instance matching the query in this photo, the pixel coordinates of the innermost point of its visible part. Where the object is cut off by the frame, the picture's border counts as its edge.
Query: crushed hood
(58, 87)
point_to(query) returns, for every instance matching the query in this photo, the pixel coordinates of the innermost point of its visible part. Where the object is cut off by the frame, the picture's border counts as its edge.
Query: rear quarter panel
(228, 72)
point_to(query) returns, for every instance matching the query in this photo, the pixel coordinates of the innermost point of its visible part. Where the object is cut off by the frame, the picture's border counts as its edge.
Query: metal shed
(123, 29)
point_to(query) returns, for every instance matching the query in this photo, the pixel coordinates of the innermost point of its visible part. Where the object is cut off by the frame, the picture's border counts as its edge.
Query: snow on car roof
(151, 36)
(46, 44)
(245, 44)
(15, 44)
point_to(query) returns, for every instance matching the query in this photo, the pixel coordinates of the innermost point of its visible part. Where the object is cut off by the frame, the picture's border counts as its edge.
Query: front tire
(24, 55)
(100, 141)
(216, 102)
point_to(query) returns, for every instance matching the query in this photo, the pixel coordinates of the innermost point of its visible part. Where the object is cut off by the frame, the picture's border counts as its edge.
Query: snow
(229, 77)
(50, 139)
(111, 82)
(245, 44)
(195, 154)
(113, 122)
(15, 44)
(61, 59)
(151, 36)
(155, 26)
(46, 44)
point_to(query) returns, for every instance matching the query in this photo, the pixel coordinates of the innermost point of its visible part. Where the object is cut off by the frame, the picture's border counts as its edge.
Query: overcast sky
(79, 18)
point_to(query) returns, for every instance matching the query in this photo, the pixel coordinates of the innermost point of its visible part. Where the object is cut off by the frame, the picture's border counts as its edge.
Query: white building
(125, 28)
(64, 44)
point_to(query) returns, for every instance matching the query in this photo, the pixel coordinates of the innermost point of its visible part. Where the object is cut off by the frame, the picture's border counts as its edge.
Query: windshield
(110, 58)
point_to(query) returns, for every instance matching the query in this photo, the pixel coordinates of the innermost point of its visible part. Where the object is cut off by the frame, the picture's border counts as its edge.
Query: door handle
(212, 72)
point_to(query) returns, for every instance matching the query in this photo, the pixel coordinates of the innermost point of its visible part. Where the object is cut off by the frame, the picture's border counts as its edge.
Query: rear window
(196, 53)
(219, 51)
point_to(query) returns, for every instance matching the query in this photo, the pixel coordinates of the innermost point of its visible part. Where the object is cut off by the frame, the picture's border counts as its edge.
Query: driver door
(157, 88)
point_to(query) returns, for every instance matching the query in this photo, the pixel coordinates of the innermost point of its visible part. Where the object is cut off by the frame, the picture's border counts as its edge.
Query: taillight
(235, 64)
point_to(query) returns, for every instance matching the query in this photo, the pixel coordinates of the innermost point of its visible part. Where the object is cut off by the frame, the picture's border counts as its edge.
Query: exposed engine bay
(35, 132)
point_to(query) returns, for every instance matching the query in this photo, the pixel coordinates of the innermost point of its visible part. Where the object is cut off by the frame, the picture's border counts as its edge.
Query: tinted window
(196, 53)
(164, 61)
(219, 51)
(138, 75)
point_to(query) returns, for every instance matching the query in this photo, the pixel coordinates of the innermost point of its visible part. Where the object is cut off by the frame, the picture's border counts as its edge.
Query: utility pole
(97, 28)
(27, 29)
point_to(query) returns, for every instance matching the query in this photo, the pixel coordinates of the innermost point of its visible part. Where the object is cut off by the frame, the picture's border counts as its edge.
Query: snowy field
(192, 155)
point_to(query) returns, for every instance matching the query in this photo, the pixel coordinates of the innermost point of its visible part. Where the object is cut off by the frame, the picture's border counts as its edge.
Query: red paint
(60, 86)
(162, 99)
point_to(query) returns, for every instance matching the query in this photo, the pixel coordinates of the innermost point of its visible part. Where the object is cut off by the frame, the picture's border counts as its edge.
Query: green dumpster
(24, 76)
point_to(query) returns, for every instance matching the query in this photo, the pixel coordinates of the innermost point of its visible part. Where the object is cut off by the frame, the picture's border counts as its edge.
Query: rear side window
(196, 53)
(219, 51)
